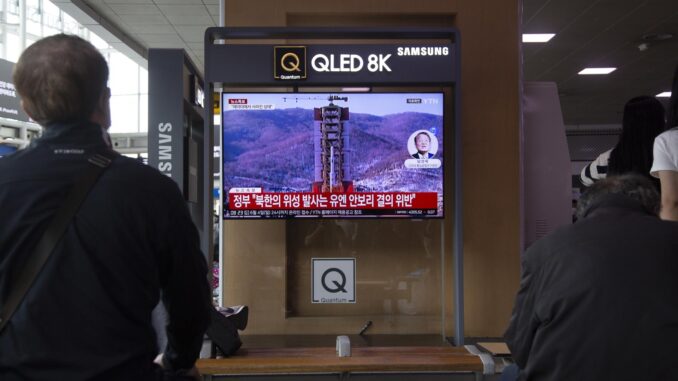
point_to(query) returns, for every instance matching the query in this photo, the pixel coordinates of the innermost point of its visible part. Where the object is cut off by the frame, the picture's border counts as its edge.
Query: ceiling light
(665, 94)
(597, 70)
(537, 37)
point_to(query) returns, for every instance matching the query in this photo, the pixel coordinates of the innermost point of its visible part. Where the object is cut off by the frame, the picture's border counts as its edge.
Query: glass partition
(403, 273)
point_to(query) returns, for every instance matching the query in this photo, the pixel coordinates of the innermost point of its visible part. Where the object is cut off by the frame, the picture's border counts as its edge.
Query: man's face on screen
(422, 142)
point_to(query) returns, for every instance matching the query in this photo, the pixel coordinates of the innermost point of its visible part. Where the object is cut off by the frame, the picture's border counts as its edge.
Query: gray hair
(60, 79)
(631, 185)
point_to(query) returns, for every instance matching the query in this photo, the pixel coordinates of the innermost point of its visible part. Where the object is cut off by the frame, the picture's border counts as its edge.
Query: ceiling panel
(192, 33)
(600, 33)
(187, 2)
(156, 19)
(180, 19)
(213, 9)
(134, 9)
(185, 10)
(196, 46)
(123, 1)
(154, 39)
(161, 28)
(588, 32)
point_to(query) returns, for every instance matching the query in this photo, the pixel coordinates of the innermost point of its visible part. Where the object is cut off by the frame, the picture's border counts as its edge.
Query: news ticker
(282, 213)
(333, 201)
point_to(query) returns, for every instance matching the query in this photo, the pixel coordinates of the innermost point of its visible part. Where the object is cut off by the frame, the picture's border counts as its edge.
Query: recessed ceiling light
(597, 70)
(537, 37)
(665, 94)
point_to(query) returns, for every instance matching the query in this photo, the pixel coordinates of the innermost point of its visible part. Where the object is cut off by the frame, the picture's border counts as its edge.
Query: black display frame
(220, 69)
(444, 116)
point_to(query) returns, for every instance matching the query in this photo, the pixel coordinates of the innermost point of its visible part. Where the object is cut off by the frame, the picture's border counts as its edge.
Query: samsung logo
(423, 51)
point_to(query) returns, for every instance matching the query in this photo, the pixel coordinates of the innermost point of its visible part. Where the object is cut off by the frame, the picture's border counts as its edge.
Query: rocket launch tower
(332, 149)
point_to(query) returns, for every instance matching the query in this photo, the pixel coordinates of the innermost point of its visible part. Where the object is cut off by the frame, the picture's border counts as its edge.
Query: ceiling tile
(155, 29)
(196, 47)
(185, 10)
(191, 33)
(134, 9)
(126, 1)
(213, 9)
(587, 32)
(178, 2)
(145, 20)
(178, 19)
(168, 45)
(153, 39)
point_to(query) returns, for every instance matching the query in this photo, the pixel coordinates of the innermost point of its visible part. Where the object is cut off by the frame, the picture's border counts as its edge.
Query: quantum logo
(289, 62)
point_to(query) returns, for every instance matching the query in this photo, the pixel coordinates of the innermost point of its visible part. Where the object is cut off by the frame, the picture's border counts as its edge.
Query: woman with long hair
(643, 120)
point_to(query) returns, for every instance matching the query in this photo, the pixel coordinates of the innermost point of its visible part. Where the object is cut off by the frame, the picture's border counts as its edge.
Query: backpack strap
(56, 229)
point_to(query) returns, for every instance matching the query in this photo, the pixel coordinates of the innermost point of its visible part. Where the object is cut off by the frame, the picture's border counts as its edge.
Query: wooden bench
(387, 361)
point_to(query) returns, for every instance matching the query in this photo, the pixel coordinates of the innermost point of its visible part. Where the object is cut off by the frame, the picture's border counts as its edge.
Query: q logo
(338, 283)
(333, 280)
(289, 62)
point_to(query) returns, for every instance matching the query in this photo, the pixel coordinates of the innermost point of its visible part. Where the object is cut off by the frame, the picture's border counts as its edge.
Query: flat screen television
(339, 155)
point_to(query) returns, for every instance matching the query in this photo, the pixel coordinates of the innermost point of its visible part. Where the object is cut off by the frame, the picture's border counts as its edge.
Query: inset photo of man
(422, 145)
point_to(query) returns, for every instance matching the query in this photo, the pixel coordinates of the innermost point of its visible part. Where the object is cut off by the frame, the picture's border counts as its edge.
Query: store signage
(10, 105)
(333, 280)
(165, 148)
(289, 62)
(351, 63)
(332, 64)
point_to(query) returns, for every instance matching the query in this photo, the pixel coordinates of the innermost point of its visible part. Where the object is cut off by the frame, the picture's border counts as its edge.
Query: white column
(22, 24)
(4, 28)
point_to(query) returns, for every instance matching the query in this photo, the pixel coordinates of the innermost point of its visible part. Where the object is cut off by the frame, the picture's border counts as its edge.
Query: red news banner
(390, 201)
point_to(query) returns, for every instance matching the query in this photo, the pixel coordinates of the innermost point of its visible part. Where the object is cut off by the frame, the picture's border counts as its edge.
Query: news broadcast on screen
(337, 155)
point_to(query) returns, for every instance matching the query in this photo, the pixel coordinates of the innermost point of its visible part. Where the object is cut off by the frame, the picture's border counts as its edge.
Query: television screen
(293, 155)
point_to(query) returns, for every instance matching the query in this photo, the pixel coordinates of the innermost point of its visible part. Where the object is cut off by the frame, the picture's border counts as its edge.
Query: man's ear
(102, 113)
(23, 107)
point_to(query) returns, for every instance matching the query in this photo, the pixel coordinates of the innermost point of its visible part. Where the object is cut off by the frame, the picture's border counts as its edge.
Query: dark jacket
(416, 155)
(598, 299)
(88, 314)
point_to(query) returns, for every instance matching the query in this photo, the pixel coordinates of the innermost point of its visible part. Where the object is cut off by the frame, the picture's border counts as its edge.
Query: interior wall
(490, 128)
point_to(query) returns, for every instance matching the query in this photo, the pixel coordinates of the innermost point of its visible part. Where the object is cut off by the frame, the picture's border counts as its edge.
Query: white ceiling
(588, 33)
(150, 23)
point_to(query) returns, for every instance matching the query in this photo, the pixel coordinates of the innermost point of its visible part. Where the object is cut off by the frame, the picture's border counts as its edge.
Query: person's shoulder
(666, 142)
(135, 167)
(142, 177)
(603, 158)
(548, 247)
(668, 135)
(13, 163)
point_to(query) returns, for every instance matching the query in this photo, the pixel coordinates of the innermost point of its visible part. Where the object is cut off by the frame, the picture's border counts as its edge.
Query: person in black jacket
(597, 299)
(87, 316)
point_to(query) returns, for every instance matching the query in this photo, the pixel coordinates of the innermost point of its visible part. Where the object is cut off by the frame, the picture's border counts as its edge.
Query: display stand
(177, 144)
(241, 58)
